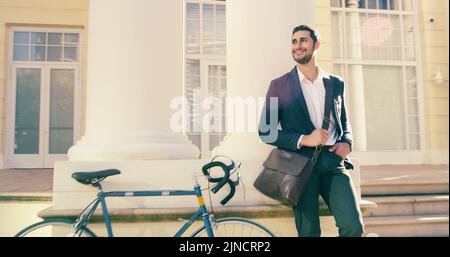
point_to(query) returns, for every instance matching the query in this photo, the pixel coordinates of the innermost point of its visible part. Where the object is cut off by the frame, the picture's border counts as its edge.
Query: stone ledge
(172, 214)
(25, 197)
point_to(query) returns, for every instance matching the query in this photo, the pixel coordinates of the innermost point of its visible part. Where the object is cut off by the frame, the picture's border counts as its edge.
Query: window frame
(44, 66)
(345, 61)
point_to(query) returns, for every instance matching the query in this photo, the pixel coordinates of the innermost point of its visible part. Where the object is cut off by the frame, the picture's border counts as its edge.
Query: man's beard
(305, 59)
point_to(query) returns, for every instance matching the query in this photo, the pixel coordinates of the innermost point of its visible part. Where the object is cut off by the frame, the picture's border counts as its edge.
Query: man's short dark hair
(314, 34)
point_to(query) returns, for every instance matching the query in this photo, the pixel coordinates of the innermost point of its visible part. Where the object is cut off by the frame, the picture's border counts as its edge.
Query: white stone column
(357, 109)
(135, 69)
(258, 50)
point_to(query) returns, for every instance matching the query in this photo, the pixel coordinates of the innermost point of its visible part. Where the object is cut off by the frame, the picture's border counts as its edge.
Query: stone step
(408, 226)
(408, 205)
(384, 180)
(406, 188)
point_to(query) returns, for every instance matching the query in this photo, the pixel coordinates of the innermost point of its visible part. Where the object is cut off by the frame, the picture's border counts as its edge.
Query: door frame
(43, 160)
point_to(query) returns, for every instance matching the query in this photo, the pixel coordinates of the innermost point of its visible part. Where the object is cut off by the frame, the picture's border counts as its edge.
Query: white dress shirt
(314, 93)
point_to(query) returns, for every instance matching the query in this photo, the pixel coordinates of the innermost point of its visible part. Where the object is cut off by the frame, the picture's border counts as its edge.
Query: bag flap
(285, 161)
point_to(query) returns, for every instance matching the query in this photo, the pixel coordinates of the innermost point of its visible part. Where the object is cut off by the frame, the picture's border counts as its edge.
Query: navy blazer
(293, 116)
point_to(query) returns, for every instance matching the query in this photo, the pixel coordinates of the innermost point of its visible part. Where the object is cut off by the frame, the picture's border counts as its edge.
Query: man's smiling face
(303, 46)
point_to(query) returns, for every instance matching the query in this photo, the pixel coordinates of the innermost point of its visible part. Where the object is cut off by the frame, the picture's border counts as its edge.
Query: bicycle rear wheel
(235, 227)
(53, 228)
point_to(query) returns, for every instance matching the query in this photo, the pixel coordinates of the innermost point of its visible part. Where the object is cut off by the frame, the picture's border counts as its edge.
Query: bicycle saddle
(94, 177)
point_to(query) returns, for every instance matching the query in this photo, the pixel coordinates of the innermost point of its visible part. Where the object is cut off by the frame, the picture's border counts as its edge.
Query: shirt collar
(322, 74)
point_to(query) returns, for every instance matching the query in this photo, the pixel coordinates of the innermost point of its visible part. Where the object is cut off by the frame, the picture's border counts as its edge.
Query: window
(205, 71)
(205, 28)
(45, 46)
(405, 5)
(374, 47)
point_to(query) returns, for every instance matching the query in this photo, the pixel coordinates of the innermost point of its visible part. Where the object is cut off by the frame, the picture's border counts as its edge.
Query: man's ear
(317, 45)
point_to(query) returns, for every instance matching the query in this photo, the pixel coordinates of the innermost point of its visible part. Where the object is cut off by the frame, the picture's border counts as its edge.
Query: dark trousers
(332, 181)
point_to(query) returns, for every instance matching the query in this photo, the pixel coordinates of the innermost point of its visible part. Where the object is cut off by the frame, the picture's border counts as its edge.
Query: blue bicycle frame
(197, 192)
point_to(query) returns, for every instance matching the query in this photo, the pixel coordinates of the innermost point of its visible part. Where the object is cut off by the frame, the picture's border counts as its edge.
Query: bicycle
(211, 227)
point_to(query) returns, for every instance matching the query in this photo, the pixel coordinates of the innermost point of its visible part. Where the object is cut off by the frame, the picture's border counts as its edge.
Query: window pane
(220, 12)
(21, 53)
(362, 4)
(21, 37)
(38, 38)
(223, 71)
(193, 36)
(407, 5)
(208, 12)
(384, 105)
(372, 4)
(217, 88)
(394, 4)
(71, 38)
(193, 94)
(193, 67)
(382, 4)
(220, 30)
(70, 54)
(336, 3)
(61, 110)
(54, 54)
(381, 37)
(26, 139)
(337, 34)
(55, 38)
(409, 36)
(220, 38)
(208, 37)
(38, 53)
(192, 11)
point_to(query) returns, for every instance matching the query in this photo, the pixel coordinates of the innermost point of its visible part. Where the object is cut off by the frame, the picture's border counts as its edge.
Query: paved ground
(26, 180)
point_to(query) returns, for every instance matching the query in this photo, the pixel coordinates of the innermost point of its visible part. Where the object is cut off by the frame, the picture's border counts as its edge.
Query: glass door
(59, 127)
(26, 148)
(43, 115)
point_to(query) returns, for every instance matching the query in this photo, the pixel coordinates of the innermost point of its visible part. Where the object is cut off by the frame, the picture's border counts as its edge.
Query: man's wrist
(348, 143)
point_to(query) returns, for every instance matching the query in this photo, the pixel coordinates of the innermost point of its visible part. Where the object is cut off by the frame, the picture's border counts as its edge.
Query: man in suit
(300, 113)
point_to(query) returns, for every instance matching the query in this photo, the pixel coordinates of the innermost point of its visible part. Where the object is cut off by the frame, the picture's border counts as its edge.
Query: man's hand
(341, 149)
(317, 137)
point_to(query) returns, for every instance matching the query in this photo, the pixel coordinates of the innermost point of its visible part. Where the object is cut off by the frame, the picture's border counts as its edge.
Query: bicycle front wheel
(235, 227)
(54, 228)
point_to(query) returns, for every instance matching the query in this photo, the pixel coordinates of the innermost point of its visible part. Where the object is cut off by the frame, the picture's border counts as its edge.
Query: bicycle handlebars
(222, 180)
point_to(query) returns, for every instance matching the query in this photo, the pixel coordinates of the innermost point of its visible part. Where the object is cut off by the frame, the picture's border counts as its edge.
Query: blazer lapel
(299, 97)
(337, 123)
